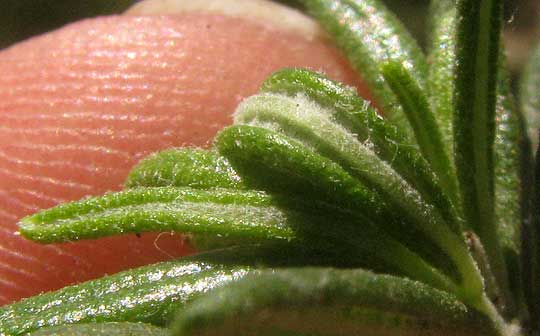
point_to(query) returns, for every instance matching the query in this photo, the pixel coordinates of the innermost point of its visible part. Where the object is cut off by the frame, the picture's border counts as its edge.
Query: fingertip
(80, 106)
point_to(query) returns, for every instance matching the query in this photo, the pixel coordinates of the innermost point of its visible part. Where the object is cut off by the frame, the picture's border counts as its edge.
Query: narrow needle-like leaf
(478, 42)
(151, 294)
(530, 101)
(532, 253)
(279, 164)
(306, 122)
(240, 214)
(356, 115)
(510, 139)
(530, 96)
(530, 256)
(103, 329)
(442, 56)
(512, 167)
(370, 35)
(417, 108)
(240, 217)
(264, 157)
(188, 167)
(312, 301)
(184, 167)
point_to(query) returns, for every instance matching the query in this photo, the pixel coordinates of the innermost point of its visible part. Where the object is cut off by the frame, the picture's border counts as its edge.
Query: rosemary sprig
(311, 175)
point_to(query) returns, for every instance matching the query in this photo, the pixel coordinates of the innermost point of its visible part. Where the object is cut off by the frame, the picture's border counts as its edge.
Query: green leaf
(238, 216)
(478, 52)
(530, 101)
(442, 58)
(151, 294)
(277, 163)
(509, 143)
(531, 252)
(512, 166)
(357, 117)
(184, 167)
(304, 121)
(530, 104)
(189, 167)
(308, 123)
(370, 35)
(530, 97)
(426, 130)
(311, 301)
(103, 329)
(270, 161)
(241, 214)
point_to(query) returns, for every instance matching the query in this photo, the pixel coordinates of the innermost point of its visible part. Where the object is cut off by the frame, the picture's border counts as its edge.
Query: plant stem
(488, 308)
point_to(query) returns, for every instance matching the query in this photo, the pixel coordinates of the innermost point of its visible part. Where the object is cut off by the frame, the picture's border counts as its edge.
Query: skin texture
(81, 105)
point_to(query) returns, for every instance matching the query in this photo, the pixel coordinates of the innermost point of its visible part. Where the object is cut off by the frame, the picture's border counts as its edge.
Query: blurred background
(21, 19)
